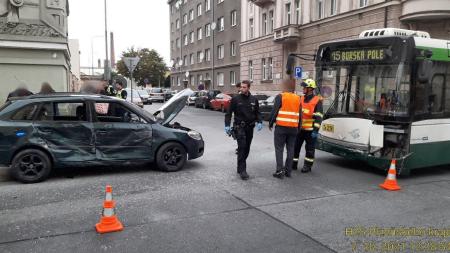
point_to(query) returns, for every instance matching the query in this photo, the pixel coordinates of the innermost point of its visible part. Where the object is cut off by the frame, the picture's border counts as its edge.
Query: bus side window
(437, 93)
(420, 98)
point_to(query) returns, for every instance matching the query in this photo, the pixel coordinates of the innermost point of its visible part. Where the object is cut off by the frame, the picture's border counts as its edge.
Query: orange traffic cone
(108, 221)
(390, 183)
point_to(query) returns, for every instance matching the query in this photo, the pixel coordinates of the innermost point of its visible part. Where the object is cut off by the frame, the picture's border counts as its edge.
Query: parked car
(192, 98)
(266, 106)
(157, 94)
(168, 93)
(221, 102)
(145, 97)
(204, 98)
(41, 133)
(134, 97)
(261, 98)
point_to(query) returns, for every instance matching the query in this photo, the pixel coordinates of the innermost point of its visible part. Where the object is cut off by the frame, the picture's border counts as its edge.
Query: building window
(208, 54)
(207, 5)
(192, 60)
(221, 22)
(320, 9)
(271, 21)
(172, 46)
(199, 33)
(192, 37)
(207, 76)
(185, 39)
(178, 43)
(200, 79)
(250, 70)
(185, 19)
(333, 8)
(177, 24)
(362, 3)
(185, 60)
(207, 30)
(233, 18)
(287, 9)
(192, 80)
(250, 7)
(297, 12)
(219, 1)
(270, 69)
(220, 51)
(264, 24)
(233, 48)
(264, 69)
(200, 56)
(172, 9)
(191, 15)
(232, 78)
(171, 27)
(220, 79)
(199, 10)
(178, 81)
(251, 29)
(178, 61)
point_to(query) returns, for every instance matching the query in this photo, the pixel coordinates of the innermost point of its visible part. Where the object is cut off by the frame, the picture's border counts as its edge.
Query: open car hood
(171, 108)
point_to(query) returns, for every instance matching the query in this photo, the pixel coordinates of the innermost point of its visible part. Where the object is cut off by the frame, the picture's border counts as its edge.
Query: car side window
(25, 113)
(62, 111)
(116, 112)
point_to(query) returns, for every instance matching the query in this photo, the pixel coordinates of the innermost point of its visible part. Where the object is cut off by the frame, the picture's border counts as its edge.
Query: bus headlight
(195, 135)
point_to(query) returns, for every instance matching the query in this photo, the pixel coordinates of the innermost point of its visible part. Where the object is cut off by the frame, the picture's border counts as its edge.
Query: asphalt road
(207, 208)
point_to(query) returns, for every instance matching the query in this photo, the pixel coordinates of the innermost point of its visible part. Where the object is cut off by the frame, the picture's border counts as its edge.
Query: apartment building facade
(205, 38)
(271, 29)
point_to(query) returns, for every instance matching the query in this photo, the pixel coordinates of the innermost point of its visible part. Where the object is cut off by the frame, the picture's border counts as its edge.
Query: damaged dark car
(40, 133)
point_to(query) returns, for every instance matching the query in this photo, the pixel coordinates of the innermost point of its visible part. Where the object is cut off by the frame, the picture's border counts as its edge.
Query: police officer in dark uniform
(245, 108)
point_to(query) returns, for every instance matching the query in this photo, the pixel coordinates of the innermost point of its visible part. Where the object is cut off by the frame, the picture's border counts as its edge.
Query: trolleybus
(386, 96)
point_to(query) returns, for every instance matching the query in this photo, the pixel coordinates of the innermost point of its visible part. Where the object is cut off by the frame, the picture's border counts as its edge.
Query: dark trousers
(284, 136)
(305, 136)
(244, 137)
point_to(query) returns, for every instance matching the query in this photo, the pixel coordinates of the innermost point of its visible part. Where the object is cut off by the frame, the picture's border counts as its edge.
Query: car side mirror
(425, 69)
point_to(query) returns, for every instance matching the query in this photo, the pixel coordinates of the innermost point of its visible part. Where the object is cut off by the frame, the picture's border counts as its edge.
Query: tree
(151, 67)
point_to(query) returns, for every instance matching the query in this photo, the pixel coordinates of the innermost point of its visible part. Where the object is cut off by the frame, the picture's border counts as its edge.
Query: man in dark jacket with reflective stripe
(245, 109)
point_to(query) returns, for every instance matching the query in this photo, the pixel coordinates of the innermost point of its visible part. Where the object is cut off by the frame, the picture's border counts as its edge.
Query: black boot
(294, 165)
(244, 175)
(279, 174)
(306, 169)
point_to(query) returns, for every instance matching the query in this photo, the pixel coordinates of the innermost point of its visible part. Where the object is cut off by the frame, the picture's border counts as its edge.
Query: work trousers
(244, 137)
(285, 136)
(310, 146)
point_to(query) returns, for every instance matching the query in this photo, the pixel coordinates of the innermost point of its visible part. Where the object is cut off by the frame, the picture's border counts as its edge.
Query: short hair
(238, 85)
(119, 82)
(288, 85)
(247, 82)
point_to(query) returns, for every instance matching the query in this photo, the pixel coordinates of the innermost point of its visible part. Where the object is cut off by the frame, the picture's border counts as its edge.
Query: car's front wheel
(31, 166)
(171, 157)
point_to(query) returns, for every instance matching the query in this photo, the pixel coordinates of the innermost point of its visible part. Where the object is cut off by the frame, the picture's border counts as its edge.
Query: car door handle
(102, 131)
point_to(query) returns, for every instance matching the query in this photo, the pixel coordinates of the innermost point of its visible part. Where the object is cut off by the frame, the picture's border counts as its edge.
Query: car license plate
(328, 128)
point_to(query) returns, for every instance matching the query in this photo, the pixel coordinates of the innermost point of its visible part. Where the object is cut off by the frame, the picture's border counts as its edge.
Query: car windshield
(366, 89)
(156, 90)
(142, 111)
(135, 93)
(261, 97)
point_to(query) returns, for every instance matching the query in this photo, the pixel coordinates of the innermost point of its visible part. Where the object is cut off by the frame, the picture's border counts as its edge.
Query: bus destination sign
(358, 55)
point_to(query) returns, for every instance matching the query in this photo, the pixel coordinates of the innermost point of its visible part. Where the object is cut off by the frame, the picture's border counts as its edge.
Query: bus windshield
(366, 89)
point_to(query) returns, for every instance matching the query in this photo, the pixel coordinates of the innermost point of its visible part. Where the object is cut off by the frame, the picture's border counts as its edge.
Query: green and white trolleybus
(386, 96)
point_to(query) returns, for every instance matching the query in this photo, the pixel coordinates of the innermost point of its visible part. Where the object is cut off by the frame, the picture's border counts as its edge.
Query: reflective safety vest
(308, 112)
(289, 114)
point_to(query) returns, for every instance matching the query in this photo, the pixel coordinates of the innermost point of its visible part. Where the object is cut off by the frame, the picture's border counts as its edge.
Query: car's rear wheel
(31, 166)
(171, 157)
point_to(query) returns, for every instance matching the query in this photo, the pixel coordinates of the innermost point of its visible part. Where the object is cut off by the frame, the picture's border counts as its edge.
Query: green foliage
(151, 66)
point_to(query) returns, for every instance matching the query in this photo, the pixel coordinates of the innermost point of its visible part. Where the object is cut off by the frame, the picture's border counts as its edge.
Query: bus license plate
(328, 128)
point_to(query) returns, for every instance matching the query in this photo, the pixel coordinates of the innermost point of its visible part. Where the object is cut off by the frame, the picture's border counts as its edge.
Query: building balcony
(425, 10)
(262, 3)
(286, 34)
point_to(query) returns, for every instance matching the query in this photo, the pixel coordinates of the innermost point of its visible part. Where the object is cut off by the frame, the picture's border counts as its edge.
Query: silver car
(145, 97)
(134, 97)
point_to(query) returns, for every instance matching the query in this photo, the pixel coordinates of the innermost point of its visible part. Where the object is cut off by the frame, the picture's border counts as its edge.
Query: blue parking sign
(298, 72)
